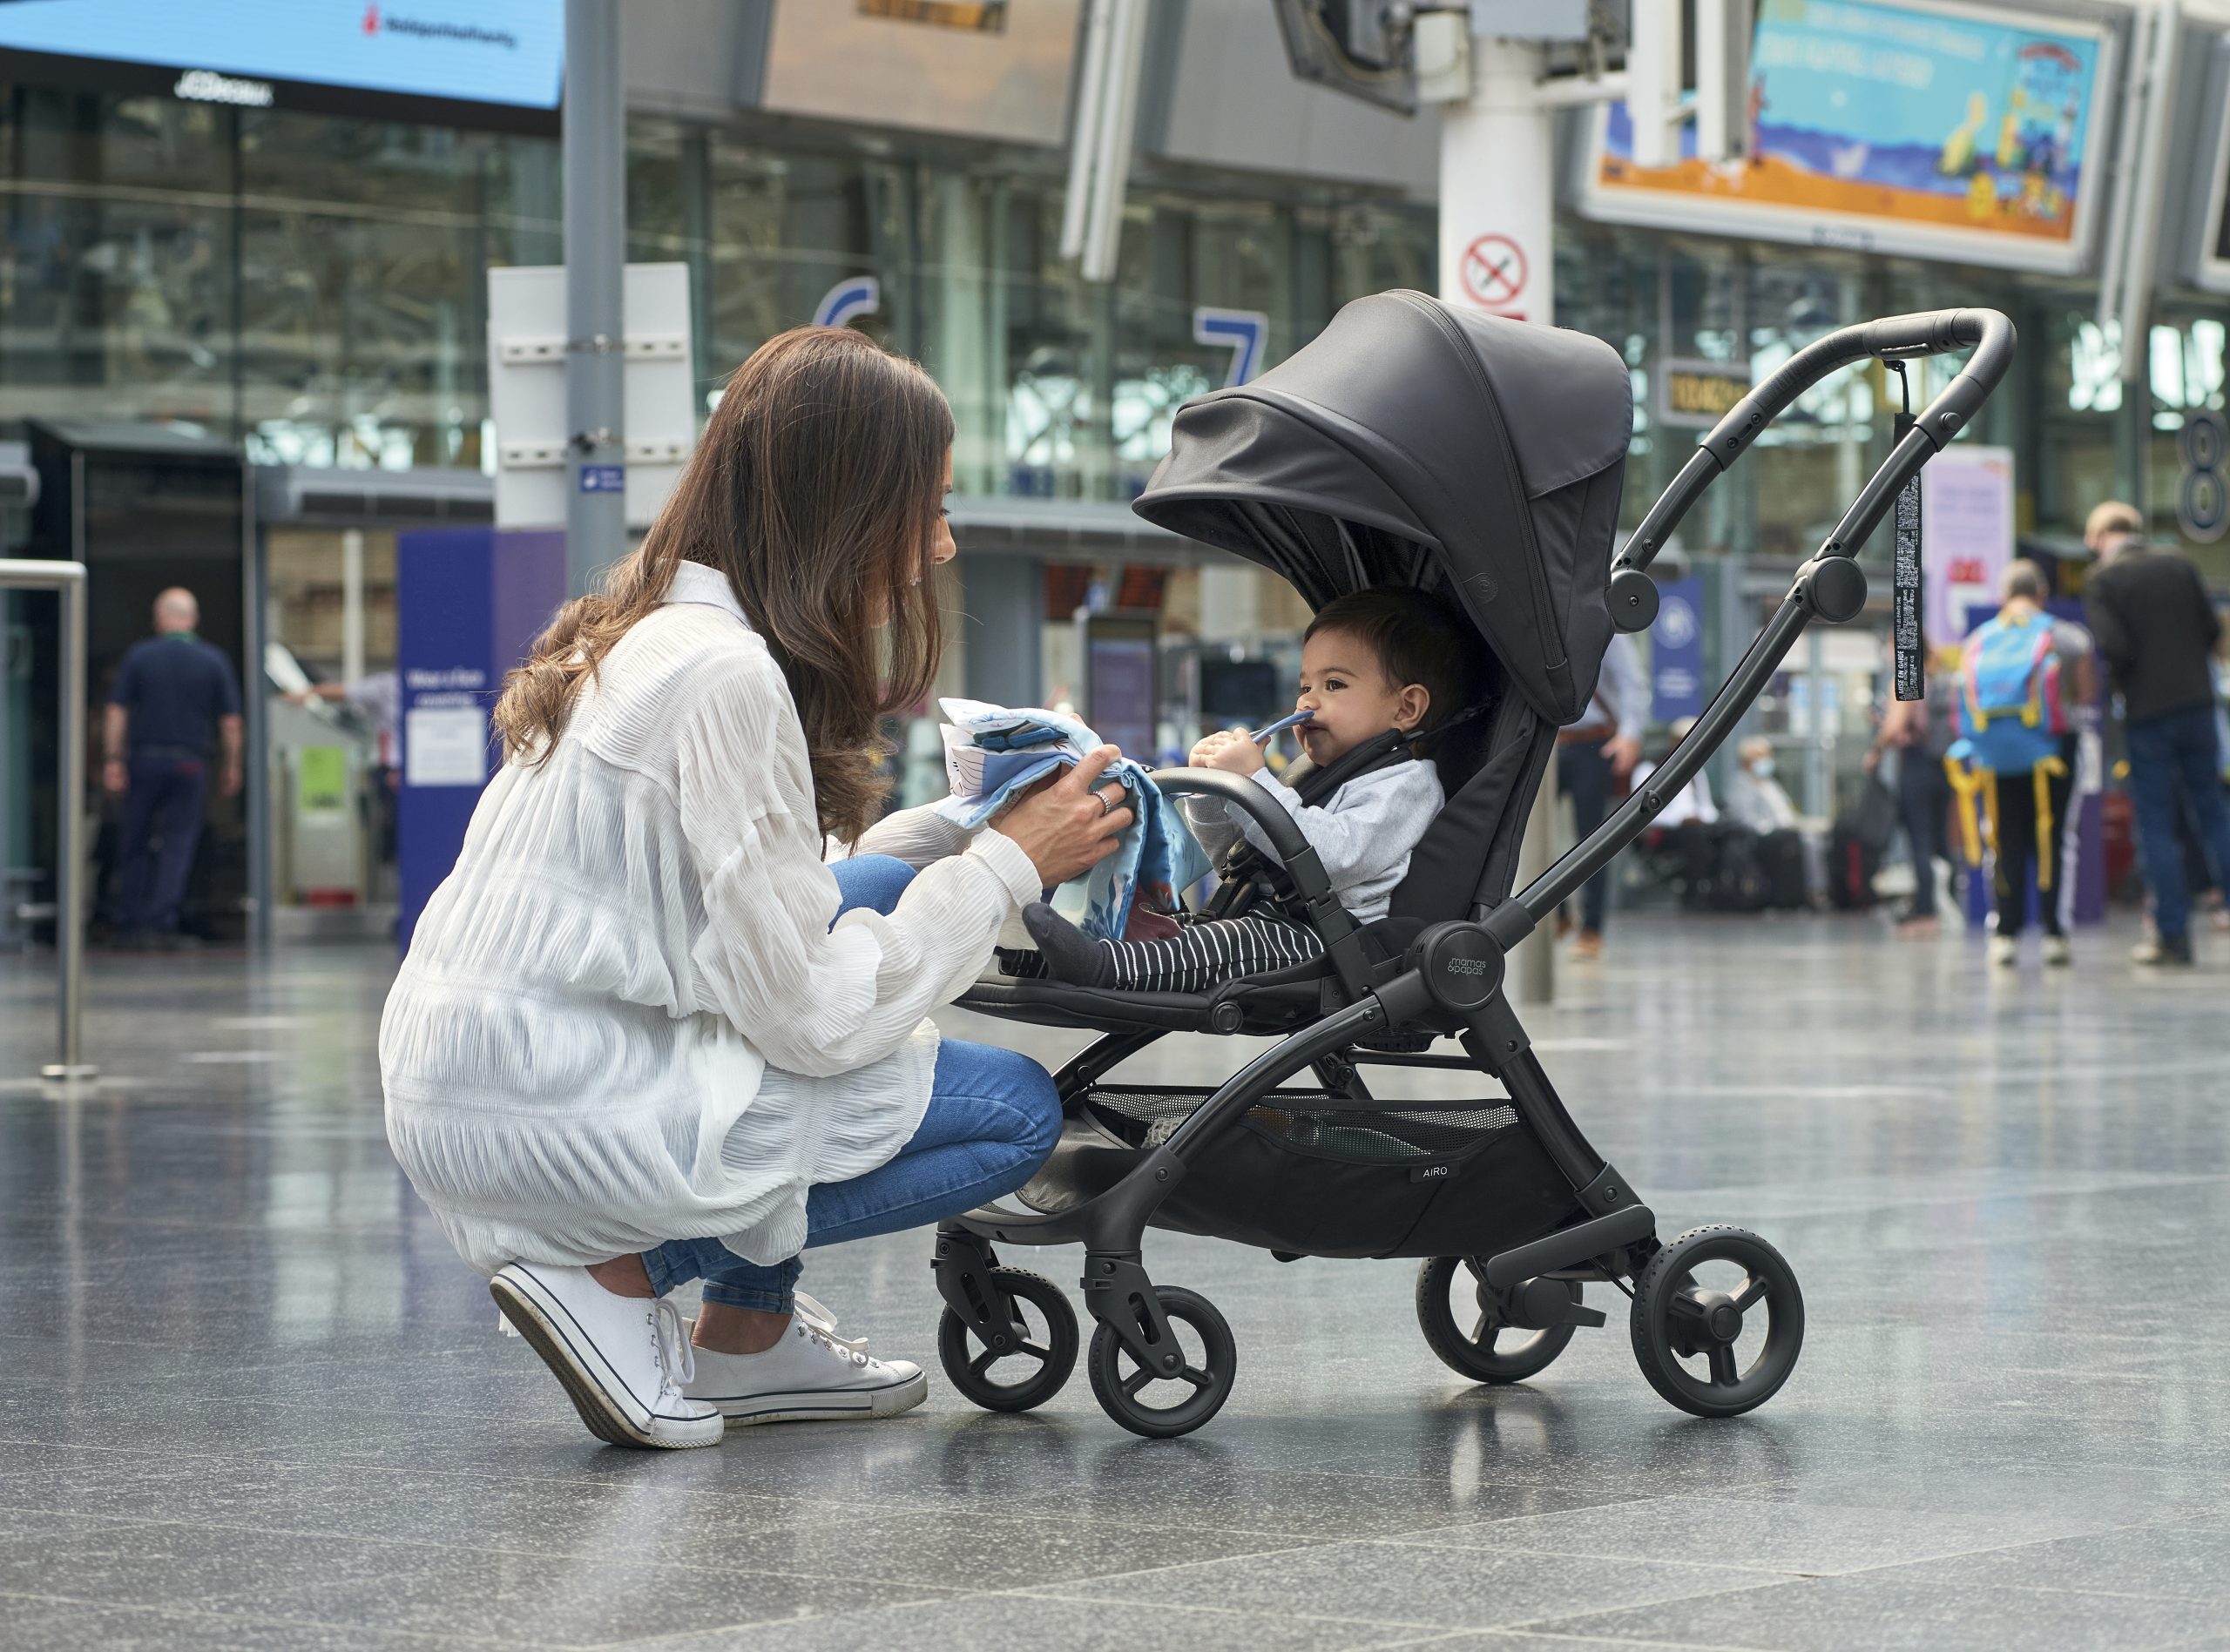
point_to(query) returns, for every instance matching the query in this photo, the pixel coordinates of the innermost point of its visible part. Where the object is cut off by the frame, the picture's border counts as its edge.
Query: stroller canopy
(1416, 443)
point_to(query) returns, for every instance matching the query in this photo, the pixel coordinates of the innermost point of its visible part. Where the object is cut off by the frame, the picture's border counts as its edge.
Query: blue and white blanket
(1157, 855)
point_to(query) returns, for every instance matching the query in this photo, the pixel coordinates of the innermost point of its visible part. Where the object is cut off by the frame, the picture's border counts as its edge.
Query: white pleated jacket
(625, 1018)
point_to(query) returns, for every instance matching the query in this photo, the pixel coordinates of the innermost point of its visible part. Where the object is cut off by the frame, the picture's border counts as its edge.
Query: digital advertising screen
(253, 52)
(2212, 271)
(1936, 130)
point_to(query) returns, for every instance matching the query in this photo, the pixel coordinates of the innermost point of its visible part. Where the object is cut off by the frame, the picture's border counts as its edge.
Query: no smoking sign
(1494, 272)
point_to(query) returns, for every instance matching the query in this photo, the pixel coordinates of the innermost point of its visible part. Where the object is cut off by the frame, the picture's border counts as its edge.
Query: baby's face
(1349, 699)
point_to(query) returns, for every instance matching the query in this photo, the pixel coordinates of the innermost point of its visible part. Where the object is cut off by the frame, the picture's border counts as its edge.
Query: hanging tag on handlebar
(1905, 600)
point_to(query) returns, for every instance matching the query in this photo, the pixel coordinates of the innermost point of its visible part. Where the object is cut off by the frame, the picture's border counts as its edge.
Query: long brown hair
(815, 490)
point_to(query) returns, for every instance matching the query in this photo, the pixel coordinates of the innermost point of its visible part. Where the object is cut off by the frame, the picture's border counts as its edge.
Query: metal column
(1006, 610)
(68, 581)
(1498, 252)
(595, 255)
(1498, 187)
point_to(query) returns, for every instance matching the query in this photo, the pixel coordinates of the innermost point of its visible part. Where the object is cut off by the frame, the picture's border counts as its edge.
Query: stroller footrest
(1568, 1247)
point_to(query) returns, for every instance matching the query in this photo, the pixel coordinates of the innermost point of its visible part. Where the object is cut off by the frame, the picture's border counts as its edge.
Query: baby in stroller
(1381, 672)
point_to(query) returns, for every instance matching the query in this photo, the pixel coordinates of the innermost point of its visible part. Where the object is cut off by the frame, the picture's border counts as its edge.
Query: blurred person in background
(2158, 630)
(2032, 787)
(1920, 732)
(1693, 804)
(176, 701)
(1688, 825)
(1754, 796)
(1596, 754)
(1794, 861)
(377, 697)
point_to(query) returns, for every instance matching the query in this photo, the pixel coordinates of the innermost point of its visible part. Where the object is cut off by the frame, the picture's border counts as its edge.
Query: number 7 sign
(1244, 331)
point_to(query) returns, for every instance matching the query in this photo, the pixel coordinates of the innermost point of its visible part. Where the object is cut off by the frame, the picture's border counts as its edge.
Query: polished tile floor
(249, 1399)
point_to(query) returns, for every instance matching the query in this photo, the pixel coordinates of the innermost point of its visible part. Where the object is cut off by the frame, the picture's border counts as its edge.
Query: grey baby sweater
(1364, 832)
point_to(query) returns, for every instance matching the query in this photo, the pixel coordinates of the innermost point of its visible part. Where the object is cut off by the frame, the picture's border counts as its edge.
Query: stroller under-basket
(1416, 444)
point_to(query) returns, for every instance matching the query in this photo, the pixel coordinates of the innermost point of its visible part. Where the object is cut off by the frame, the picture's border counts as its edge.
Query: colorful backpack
(2010, 708)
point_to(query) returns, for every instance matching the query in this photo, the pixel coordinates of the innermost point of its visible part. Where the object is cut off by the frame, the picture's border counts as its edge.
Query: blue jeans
(2170, 754)
(993, 1118)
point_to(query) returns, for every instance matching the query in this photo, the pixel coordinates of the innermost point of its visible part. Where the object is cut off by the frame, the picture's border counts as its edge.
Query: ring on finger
(1107, 804)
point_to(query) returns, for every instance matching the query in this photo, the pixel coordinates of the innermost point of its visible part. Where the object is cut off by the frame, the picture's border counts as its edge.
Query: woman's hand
(1233, 751)
(1071, 826)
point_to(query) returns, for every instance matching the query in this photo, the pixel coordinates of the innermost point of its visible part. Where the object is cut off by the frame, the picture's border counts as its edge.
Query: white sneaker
(809, 1376)
(2058, 953)
(2004, 951)
(625, 1361)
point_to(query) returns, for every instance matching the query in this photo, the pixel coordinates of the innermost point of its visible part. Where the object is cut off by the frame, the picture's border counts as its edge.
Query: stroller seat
(1491, 758)
(1258, 1010)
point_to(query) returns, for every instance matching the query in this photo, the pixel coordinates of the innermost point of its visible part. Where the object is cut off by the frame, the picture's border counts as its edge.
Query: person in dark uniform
(175, 704)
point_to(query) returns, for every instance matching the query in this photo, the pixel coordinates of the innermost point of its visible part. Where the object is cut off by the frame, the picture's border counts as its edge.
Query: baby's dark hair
(1414, 639)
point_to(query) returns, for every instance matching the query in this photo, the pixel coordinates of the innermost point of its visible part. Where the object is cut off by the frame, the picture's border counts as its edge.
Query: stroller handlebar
(1283, 831)
(1988, 332)
(1829, 587)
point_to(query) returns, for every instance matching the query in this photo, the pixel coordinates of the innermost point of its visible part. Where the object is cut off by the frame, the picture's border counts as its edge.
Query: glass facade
(1748, 307)
(308, 285)
(1061, 389)
(1665, 298)
(313, 285)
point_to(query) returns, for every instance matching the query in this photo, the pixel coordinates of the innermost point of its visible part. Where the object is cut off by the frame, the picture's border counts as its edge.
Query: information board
(1676, 651)
(1917, 127)
(469, 604)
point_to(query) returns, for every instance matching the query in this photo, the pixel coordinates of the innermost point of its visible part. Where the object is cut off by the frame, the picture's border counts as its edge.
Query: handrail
(67, 579)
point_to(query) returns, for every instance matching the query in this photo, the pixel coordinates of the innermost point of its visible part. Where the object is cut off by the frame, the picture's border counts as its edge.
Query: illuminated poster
(1912, 128)
(495, 52)
(1967, 505)
(2214, 250)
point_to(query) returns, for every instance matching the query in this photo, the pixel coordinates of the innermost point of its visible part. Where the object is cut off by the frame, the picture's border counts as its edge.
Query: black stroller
(1417, 444)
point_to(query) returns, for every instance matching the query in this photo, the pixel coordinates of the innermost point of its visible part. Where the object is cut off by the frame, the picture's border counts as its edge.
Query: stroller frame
(1450, 981)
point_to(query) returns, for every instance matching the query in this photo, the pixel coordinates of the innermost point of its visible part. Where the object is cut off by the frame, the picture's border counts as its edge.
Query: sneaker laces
(810, 1311)
(670, 1340)
(837, 1346)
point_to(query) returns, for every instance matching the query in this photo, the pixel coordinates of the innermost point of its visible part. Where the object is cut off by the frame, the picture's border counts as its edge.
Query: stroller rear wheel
(1044, 1358)
(1703, 1298)
(1494, 1349)
(1126, 1389)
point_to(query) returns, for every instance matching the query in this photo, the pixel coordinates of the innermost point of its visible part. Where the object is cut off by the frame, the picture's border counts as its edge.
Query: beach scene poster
(1926, 127)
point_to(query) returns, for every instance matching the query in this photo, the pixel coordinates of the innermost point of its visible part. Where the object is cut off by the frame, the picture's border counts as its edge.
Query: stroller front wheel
(1125, 1389)
(1724, 1298)
(1049, 1358)
(1495, 1349)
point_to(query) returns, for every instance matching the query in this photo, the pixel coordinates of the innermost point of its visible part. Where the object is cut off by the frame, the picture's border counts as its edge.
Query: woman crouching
(644, 1034)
